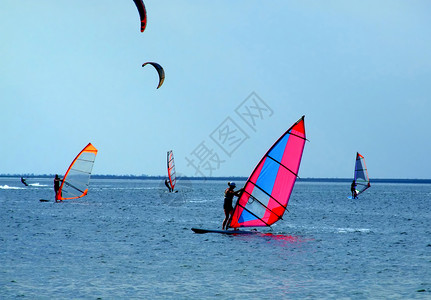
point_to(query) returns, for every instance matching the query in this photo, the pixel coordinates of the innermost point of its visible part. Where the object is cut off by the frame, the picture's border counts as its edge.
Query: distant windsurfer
(227, 205)
(57, 182)
(353, 189)
(23, 181)
(167, 185)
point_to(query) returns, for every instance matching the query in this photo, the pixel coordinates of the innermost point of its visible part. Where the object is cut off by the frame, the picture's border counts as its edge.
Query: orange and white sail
(77, 178)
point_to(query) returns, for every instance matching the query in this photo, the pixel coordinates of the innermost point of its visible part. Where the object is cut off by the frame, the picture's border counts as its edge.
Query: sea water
(132, 239)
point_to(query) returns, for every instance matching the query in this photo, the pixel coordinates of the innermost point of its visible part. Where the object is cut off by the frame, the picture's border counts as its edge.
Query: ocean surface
(130, 239)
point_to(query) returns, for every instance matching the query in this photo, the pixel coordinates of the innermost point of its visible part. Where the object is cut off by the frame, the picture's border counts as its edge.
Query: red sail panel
(171, 170)
(142, 13)
(77, 178)
(267, 191)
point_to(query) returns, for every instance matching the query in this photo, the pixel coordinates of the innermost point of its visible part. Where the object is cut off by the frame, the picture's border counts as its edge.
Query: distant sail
(159, 70)
(77, 178)
(267, 190)
(171, 170)
(142, 13)
(361, 174)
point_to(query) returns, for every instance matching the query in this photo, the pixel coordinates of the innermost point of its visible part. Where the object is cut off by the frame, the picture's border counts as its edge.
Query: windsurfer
(23, 181)
(353, 189)
(227, 205)
(167, 185)
(57, 182)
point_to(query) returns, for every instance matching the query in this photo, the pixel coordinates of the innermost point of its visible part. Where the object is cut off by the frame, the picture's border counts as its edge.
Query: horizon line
(244, 178)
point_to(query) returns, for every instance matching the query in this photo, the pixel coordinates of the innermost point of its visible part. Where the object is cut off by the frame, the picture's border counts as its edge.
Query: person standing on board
(57, 181)
(23, 181)
(227, 205)
(353, 189)
(167, 185)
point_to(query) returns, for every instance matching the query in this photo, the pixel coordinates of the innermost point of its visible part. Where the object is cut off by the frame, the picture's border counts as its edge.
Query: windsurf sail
(267, 191)
(77, 178)
(361, 175)
(171, 170)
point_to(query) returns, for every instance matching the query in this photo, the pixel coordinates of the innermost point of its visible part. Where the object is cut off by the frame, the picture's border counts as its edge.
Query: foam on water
(37, 184)
(6, 187)
(349, 230)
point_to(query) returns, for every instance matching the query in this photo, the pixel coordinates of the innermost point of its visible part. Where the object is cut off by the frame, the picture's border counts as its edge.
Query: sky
(238, 75)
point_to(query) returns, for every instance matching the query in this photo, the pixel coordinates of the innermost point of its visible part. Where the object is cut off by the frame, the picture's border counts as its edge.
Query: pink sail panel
(267, 191)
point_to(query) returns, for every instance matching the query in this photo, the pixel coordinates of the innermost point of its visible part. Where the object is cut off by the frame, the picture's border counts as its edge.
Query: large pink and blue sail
(267, 190)
(361, 174)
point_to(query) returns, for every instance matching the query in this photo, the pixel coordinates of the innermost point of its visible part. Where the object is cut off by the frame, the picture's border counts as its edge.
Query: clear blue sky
(360, 71)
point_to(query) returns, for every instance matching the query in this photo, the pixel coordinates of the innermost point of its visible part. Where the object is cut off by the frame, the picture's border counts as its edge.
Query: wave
(125, 188)
(37, 184)
(6, 187)
(342, 230)
(349, 230)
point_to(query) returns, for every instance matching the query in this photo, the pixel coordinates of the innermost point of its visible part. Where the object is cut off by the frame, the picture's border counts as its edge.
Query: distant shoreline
(227, 178)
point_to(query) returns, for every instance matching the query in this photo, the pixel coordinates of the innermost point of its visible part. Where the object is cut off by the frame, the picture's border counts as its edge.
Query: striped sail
(77, 178)
(361, 174)
(267, 190)
(171, 169)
